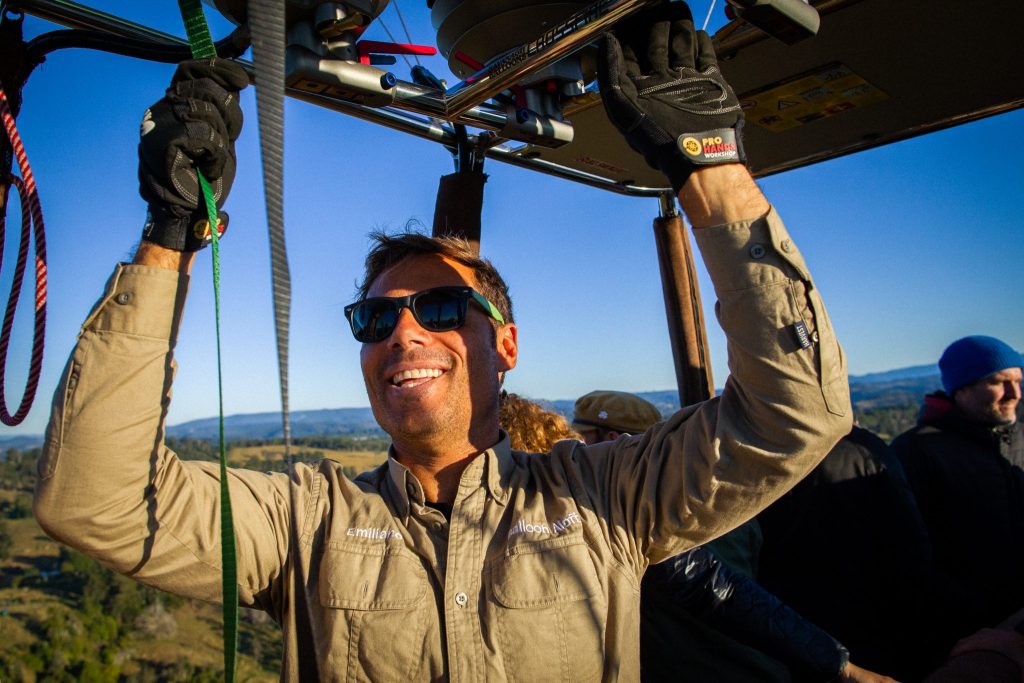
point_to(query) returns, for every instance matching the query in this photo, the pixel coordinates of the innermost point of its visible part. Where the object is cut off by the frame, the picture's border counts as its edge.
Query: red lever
(368, 47)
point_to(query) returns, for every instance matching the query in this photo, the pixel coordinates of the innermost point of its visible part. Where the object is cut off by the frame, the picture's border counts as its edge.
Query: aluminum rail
(434, 131)
(564, 39)
(410, 100)
(74, 15)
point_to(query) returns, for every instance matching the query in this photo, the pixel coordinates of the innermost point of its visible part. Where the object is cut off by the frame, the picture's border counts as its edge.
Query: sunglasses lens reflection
(437, 310)
(440, 311)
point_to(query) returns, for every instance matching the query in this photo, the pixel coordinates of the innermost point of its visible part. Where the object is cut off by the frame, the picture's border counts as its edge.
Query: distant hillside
(338, 421)
(894, 388)
(20, 443)
(888, 389)
(914, 372)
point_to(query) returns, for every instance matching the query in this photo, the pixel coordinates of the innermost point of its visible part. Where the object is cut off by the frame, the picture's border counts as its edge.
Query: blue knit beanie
(969, 359)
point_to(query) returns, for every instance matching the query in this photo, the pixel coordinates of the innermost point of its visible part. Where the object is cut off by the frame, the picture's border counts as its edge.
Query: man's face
(436, 389)
(597, 435)
(992, 400)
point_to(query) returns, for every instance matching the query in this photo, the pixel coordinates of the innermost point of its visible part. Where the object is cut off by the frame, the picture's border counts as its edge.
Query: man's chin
(1003, 420)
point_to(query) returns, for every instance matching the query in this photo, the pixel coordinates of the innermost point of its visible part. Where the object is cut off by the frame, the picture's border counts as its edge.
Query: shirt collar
(491, 470)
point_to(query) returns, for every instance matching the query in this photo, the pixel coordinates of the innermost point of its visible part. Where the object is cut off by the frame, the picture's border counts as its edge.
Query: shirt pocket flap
(550, 572)
(364, 577)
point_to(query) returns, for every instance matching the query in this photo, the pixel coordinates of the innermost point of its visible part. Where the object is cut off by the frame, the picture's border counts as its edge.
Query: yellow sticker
(692, 146)
(820, 93)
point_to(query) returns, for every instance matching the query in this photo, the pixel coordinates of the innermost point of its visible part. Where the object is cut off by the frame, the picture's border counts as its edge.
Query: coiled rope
(31, 214)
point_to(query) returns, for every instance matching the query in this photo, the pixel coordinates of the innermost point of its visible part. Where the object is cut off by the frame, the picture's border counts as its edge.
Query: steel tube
(569, 36)
(74, 15)
(411, 99)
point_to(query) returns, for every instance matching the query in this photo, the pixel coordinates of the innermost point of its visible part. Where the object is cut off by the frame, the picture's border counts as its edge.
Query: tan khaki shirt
(536, 576)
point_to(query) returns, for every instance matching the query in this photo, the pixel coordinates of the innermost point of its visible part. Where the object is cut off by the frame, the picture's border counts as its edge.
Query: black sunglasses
(439, 309)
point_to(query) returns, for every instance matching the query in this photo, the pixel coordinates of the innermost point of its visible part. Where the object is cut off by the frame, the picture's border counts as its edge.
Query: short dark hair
(389, 250)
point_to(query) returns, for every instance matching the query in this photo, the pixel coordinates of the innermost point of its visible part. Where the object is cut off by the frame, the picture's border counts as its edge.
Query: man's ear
(507, 339)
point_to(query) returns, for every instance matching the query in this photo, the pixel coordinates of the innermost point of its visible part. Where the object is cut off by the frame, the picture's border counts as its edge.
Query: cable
(707, 19)
(233, 45)
(408, 35)
(394, 40)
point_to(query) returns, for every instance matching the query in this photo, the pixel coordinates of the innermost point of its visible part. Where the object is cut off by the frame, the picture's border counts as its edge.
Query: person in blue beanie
(965, 464)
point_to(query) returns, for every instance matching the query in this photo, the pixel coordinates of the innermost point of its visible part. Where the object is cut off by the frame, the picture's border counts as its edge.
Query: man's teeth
(419, 373)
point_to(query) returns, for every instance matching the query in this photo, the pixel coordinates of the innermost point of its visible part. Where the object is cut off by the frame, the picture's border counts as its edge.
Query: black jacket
(969, 483)
(696, 589)
(847, 548)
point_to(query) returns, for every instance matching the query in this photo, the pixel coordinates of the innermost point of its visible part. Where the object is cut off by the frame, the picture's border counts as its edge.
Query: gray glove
(195, 125)
(662, 89)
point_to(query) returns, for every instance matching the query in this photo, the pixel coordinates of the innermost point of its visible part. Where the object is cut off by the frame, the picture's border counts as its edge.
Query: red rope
(31, 213)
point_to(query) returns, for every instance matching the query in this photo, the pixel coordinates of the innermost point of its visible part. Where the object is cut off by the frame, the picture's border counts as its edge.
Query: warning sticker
(826, 91)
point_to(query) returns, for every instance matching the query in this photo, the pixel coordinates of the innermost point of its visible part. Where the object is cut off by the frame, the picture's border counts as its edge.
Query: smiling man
(458, 559)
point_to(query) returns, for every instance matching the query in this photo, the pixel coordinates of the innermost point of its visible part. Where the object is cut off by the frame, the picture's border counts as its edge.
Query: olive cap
(615, 410)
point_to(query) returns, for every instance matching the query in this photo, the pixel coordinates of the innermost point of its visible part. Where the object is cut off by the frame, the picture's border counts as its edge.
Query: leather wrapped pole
(683, 309)
(460, 199)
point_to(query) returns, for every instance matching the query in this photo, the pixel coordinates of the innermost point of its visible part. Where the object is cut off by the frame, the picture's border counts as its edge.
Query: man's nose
(1012, 390)
(407, 330)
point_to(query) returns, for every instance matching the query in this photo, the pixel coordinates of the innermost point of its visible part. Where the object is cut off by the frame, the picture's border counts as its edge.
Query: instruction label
(820, 93)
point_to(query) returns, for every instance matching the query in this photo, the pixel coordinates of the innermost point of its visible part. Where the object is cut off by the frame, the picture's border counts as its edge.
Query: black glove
(662, 89)
(194, 126)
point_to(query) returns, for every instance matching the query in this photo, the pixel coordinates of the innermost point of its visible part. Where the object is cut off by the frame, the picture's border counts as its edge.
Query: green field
(63, 617)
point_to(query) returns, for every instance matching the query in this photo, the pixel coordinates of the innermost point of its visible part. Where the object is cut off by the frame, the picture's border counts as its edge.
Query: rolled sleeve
(109, 487)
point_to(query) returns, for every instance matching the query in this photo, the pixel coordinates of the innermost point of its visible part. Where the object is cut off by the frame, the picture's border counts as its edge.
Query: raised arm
(786, 402)
(107, 485)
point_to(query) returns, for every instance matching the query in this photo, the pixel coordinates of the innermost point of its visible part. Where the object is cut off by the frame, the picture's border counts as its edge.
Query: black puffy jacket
(696, 590)
(969, 483)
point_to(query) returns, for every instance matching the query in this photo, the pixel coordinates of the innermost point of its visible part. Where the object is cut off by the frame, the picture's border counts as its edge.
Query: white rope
(707, 19)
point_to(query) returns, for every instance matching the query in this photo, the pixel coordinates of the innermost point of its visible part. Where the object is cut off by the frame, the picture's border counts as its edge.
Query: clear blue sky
(912, 245)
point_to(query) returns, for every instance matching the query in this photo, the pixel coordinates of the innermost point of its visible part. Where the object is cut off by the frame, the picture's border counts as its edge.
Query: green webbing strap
(202, 48)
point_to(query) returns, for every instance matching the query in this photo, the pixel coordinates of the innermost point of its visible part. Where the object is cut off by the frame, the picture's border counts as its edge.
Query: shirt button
(123, 298)
(437, 526)
(461, 599)
(786, 245)
(757, 251)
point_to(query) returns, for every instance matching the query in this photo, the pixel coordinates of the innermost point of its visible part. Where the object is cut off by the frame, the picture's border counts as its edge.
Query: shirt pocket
(549, 611)
(375, 612)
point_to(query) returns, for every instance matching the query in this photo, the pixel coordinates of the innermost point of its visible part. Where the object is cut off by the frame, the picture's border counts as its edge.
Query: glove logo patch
(691, 146)
(710, 147)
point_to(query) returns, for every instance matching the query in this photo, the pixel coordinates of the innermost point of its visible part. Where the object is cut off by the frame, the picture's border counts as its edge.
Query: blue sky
(912, 245)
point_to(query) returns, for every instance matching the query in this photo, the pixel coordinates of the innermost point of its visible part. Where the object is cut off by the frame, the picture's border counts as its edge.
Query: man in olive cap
(965, 463)
(607, 415)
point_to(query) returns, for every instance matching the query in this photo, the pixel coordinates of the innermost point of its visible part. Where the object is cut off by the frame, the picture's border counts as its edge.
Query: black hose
(234, 45)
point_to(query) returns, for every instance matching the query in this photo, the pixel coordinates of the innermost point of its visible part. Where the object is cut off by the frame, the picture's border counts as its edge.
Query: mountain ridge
(900, 386)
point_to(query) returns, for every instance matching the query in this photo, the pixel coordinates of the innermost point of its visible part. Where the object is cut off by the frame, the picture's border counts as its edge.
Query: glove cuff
(182, 233)
(707, 148)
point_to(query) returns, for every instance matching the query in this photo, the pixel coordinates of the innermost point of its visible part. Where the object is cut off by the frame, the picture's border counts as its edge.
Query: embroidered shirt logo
(372, 533)
(556, 527)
